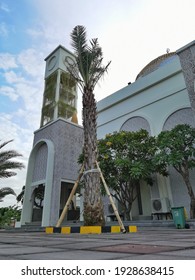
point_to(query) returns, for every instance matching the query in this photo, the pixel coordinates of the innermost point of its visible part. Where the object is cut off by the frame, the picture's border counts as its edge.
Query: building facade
(161, 97)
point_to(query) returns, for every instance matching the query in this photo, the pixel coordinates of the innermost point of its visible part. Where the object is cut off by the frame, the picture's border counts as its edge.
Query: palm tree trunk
(93, 206)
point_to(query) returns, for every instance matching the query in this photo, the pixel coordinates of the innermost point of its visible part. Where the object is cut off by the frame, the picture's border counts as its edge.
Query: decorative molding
(187, 60)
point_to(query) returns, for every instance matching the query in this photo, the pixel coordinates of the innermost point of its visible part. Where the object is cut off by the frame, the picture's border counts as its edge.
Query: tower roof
(58, 47)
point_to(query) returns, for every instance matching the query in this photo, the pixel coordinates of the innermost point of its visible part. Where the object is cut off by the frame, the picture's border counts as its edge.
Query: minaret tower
(60, 93)
(52, 167)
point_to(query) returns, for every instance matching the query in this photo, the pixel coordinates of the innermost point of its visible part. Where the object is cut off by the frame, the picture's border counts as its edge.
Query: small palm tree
(87, 71)
(6, 167)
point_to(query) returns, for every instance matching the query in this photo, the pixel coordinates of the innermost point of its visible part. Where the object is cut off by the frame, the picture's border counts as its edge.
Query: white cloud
(31, 60)
(4, 7)
(23, 74)
(9, 91)
(12, 77)
(7, 61)
(12, 130)
(22, 144)
(34, 32)
(4, 31)
(25, 81)
(30, 95)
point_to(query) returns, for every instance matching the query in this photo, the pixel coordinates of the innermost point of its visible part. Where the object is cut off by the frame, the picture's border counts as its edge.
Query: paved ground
(146, 244)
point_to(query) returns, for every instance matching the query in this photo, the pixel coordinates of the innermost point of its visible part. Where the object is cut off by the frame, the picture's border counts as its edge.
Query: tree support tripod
(107, 191)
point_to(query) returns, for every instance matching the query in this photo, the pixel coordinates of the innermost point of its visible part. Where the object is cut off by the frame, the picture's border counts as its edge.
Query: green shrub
(8, 215)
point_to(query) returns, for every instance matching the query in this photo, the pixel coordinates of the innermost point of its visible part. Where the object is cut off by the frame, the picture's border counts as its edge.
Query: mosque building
(162, 96)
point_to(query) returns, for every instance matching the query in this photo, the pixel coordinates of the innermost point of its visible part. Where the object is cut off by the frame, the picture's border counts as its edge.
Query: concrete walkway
(147, 244)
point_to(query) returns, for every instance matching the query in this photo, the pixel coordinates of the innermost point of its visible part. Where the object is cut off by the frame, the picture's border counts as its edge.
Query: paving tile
(78, 255)
(145, 244)
(155, 257)
(136, 248)
(20, 250)
(171, 243)
(183, 253)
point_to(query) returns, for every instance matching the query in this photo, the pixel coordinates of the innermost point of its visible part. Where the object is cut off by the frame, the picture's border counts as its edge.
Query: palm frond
(6, 164)
(5, 143)
(6, 155)
(6, 191)
(88, 68)
(79, 41)
(72, 68)
(97, 70)
(79, 44)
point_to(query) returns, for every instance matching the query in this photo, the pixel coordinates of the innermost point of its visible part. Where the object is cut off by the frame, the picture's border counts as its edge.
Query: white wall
(153, 97)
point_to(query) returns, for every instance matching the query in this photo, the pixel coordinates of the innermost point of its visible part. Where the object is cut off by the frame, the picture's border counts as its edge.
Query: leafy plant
(8, 215)
(177, 148)
(126, 158)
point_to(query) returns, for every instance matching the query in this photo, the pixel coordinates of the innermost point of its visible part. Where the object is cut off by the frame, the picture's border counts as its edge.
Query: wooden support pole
(70, 198)
(111, 200)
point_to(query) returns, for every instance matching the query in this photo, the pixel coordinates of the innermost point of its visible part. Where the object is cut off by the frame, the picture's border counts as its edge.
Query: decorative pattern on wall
(182, 116)
(40, 163)
(135, 124)
(187, 59)
(68, 142)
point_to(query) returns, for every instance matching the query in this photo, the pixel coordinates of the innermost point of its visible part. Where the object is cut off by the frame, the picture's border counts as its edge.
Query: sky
(130, 32)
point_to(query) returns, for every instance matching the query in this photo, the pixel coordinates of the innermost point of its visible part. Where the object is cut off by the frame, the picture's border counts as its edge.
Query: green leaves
(6, 191)
(88, 68)
(125, 159)
(177, 147)
(6, 164)
(136, 155)
(79, 42)
(8, 215)
(128, 156)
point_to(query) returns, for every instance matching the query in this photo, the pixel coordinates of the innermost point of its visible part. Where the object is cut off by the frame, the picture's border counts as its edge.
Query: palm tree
(6, 167)
(87, 71)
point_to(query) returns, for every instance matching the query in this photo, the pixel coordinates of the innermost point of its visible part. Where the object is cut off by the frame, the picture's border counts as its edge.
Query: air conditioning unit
(160, 205)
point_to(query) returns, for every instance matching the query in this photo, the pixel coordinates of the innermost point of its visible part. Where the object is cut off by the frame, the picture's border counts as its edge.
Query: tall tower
(60, 94)
(52, 167)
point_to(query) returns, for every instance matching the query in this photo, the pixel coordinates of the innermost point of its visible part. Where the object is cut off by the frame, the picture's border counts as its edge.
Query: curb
(89, 229)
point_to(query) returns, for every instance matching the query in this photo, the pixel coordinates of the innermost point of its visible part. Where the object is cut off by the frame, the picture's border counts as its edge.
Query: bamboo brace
(111, 200)
(70, 198)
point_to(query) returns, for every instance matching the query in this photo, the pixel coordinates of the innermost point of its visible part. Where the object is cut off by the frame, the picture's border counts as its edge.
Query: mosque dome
(156, 63)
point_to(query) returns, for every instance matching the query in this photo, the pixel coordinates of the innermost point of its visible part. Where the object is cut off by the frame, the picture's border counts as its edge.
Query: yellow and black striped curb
(89, 229)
